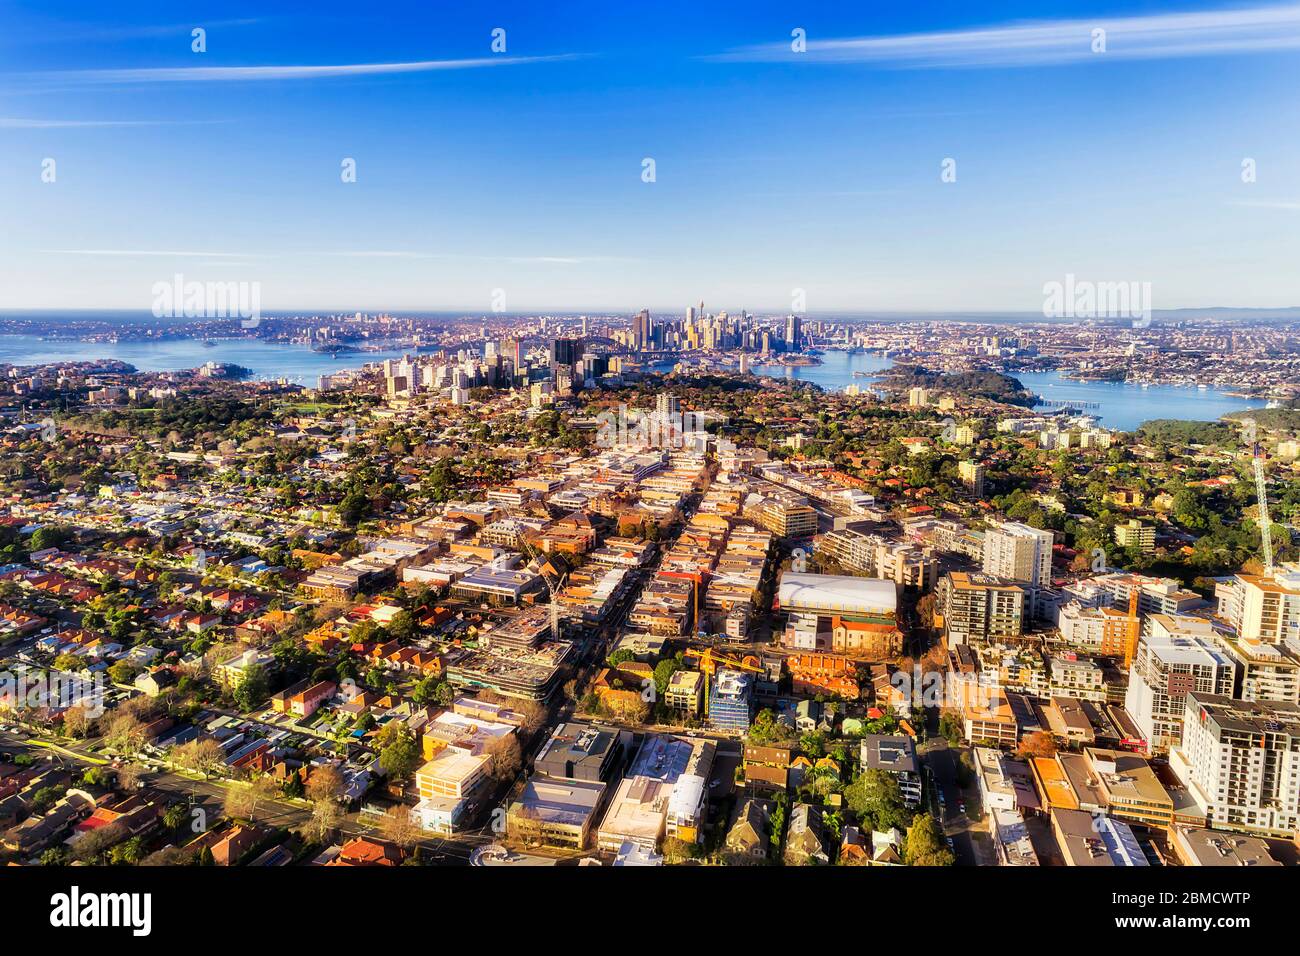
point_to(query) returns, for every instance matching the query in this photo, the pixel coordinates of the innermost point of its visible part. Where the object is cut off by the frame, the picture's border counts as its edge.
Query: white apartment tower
(1175, 656)
(1019, 552)
(1241, 762)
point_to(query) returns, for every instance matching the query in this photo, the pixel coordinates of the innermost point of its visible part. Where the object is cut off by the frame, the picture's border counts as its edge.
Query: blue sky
(774, 171)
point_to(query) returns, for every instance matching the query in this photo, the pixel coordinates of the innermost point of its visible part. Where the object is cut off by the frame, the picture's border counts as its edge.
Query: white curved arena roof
(837, 592)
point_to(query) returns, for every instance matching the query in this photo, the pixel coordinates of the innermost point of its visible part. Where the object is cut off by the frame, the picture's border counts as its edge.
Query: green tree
(252, 689)
(129, 852)
(664, 672)
(925, 844)
(174, 816)
(620, 656)
(55, 856)
(875, 798)
(123, 672)
(402, 626)
(293, 787)
(399, 753)
(950, 728)
(767, 729)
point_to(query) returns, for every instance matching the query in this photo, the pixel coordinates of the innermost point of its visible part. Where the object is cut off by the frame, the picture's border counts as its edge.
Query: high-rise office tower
(565, 353)
(793, 333)
(641, 331)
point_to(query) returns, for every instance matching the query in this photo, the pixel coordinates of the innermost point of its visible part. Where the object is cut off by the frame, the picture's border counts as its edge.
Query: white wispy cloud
(57, 33)
(219, 74)
(1041, 43)
(142, 253)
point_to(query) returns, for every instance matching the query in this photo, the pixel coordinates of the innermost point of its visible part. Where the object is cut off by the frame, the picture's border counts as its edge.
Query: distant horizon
(993, 317)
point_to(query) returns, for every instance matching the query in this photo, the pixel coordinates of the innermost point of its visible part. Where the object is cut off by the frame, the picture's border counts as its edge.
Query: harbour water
(267, 360)
(1119, 405)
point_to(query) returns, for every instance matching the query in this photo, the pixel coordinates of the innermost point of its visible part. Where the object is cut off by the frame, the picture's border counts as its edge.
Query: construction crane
(552, 588)
(710, 662)
(1265, 523)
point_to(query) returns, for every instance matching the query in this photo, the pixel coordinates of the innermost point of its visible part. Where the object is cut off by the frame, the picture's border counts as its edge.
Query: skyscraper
(642, 331)
(565, 353)
(793, 333)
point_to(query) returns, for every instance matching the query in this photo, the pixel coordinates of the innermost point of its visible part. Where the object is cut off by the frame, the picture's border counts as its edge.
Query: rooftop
(837, 592)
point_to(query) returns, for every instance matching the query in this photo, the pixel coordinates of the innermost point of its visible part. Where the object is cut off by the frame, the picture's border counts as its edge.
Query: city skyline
(775, 171)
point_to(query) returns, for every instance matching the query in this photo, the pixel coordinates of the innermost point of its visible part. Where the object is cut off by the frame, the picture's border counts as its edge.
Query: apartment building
(685, 693)
(730, 700)
(1264, 612)
(971, 474)
(785, 514)
(555, 812)
(901, 562)
(229, 674)
(1107, 631)
(1135, 534)
(1019, 552)
(1241, 762)
(1176, 656)
(1266, 672)
(1155, 595)
(1073, 676)
(447, 785)
(980, 607)
(992, 720)
(1128, 787)
(1263, 608)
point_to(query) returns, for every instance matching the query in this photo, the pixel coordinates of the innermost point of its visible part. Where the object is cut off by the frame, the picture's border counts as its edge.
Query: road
(971, 842)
